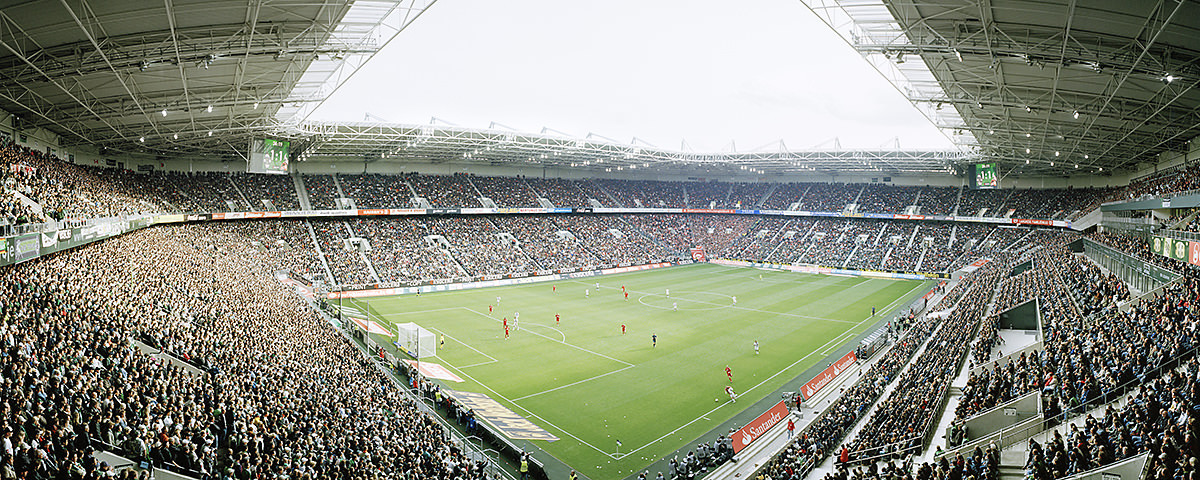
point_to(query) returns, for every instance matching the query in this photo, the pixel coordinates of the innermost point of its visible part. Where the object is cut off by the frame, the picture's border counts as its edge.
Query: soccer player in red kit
(489, 310)
(506, 323)
(626, 296)
(506, 331)
(556, 319)
(622, 329)
(729, 372)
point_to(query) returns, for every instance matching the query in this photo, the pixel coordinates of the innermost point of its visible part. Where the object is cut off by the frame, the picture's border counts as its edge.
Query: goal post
(416, 340)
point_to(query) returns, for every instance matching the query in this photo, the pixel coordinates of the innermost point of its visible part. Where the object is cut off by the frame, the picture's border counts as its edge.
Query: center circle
(692, 301)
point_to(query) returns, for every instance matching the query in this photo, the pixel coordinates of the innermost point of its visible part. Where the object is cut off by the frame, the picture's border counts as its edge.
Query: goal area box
(415, 340)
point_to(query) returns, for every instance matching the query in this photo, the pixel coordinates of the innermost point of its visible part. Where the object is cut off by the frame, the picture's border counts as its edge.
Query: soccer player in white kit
(517, 320)
(587, 293)
(497, 300)
(735, 299)
(674, 307)
(668, 292)
(756, 347)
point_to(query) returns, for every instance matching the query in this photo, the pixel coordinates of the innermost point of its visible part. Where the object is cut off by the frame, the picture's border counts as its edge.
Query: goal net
(417, 341)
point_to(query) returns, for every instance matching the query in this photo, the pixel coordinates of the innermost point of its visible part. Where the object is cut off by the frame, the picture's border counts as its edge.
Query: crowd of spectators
(322, 192)
(614, 241)
(707, 194)
(560, 191)
(644, 193)
(747, 195)
(878, 197)
(446, 191)
(373, 190)
(541, 240)
(903, 421)
(819, 440)
(258, 189)
(345, 262)
(478, 247)
(785, 195)
(1159, 418)
(829, 197)
(291, 397)
(506, 191)
(937, 200)
(402, 249)
(973, 202)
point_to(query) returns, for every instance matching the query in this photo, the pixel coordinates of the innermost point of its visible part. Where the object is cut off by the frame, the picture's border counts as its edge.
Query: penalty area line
(573, 384)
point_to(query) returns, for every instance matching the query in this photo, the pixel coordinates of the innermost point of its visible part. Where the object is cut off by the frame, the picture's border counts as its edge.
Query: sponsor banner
(634, 268)
(64, 236)
(198, 217)
(698, 254)
(1029, 221)
(478, 211)
(1194, 253)
(746, 212)
(441, 211)
(169, 219)
(502, 419)
(826, 214)
(882, 215)
(434, 370)
(319, 213)
(49, 240)
(26, 247)
(560, 210)
(375, 211)
(756, 428)
(909, 217)
(582, 210)
(817, 383)
(708, 210)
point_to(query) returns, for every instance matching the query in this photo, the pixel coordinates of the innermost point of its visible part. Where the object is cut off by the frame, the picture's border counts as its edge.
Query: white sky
(708, 72)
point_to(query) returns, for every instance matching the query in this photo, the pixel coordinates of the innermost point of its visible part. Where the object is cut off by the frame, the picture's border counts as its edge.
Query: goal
(416, 340)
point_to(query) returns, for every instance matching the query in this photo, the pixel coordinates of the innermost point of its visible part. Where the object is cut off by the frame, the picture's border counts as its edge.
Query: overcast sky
(751, 72)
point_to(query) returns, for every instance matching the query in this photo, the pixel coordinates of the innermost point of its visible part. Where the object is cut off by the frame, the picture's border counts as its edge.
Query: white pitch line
(493, 359)
(648, 294)
(577, 347)
(576, 383)
(564, 339)
(751, 389)
(531, 414)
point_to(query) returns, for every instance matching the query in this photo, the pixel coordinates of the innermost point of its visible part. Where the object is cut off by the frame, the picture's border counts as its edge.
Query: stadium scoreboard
(268, 155)
(984, 176)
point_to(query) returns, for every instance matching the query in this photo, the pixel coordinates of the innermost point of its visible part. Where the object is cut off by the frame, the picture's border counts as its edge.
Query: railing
(1179, 235)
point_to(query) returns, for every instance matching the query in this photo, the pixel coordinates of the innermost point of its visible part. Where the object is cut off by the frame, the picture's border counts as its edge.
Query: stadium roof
(447, 144)
(183, 76)
(1040, 86)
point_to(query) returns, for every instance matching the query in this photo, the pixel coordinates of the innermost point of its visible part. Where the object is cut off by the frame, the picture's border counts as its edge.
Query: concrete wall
(1006, 414)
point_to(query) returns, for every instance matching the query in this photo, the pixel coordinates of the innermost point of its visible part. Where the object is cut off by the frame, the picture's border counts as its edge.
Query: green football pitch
(585, 381)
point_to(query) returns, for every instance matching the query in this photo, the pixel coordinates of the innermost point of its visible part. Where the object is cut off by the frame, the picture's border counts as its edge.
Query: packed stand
(829, 197)
(345, 264)
(937, 200)
(1052, 203)
(707, 194)
(322, 192)
(613, 241)
(292, 398)
(540, 240)
(442, 191)
(196, 192)
(746, 195)
(373, 190)
(400, 251)
(818, 441)
(973, 202)
(506, 191)
(70, 191)
(593, 191)
(278, 189)
(904, 419)
(1159, 419)
(881, 198)
(560, 191)
(785, 195)
(644, 193)
(762, 238)
(477, 247)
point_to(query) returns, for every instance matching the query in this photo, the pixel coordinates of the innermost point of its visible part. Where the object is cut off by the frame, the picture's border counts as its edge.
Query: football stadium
(209, 275)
